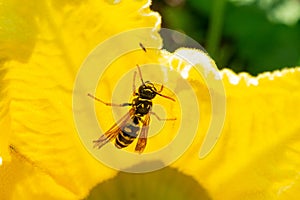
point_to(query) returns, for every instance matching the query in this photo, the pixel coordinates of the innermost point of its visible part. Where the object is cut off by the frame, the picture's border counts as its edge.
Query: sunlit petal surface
(257, 156)
(43, 43)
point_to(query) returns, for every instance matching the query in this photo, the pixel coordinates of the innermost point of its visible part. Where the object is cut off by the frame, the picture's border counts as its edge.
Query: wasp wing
(113, 131)
(142, 141)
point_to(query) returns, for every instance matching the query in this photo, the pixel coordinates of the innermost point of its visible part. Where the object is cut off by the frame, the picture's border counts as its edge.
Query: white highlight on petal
(197, 57)
(165, 72)
(253, 81)
(0, 160)
(233, 78)
(144, 12)
(185, 72)
(249, 79)
(236, 78)
(282, 189)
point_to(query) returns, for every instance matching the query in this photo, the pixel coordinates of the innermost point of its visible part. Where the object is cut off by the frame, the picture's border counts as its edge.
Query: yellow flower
(43, 45)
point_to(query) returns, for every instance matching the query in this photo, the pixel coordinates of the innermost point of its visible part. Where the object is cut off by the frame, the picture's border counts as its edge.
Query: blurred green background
(244, 35)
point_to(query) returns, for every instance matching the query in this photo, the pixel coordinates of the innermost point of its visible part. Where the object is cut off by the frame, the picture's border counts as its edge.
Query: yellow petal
(257, 155)
(43, 43)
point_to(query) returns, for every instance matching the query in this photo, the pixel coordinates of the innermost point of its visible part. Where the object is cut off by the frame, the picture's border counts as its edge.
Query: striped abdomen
(128, 133)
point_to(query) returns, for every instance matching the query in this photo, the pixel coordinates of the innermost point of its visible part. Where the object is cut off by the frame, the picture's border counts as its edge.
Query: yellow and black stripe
(126, 136)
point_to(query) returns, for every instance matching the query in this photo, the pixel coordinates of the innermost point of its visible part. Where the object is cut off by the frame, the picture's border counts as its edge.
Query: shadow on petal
(167, 183)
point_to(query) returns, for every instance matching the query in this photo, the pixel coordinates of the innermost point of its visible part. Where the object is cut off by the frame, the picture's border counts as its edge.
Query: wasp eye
(147, 92)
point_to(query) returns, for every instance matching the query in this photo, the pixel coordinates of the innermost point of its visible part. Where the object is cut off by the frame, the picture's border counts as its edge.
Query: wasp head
(147, 90)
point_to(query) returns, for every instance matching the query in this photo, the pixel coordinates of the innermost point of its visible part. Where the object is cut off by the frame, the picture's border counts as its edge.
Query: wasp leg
(142, 46)
(162, 119)
(109, 104)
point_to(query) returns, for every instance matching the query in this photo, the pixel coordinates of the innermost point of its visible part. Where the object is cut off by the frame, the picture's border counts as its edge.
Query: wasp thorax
(147, 90)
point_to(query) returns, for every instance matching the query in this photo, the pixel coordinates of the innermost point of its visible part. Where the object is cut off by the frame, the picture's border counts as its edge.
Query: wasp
(135, 123)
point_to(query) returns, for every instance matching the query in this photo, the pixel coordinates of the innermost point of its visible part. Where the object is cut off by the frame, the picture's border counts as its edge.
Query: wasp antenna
(161, 89)
(167, 97)
(95, 98)
(140, 73)
(143, 47)
(90, 95)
